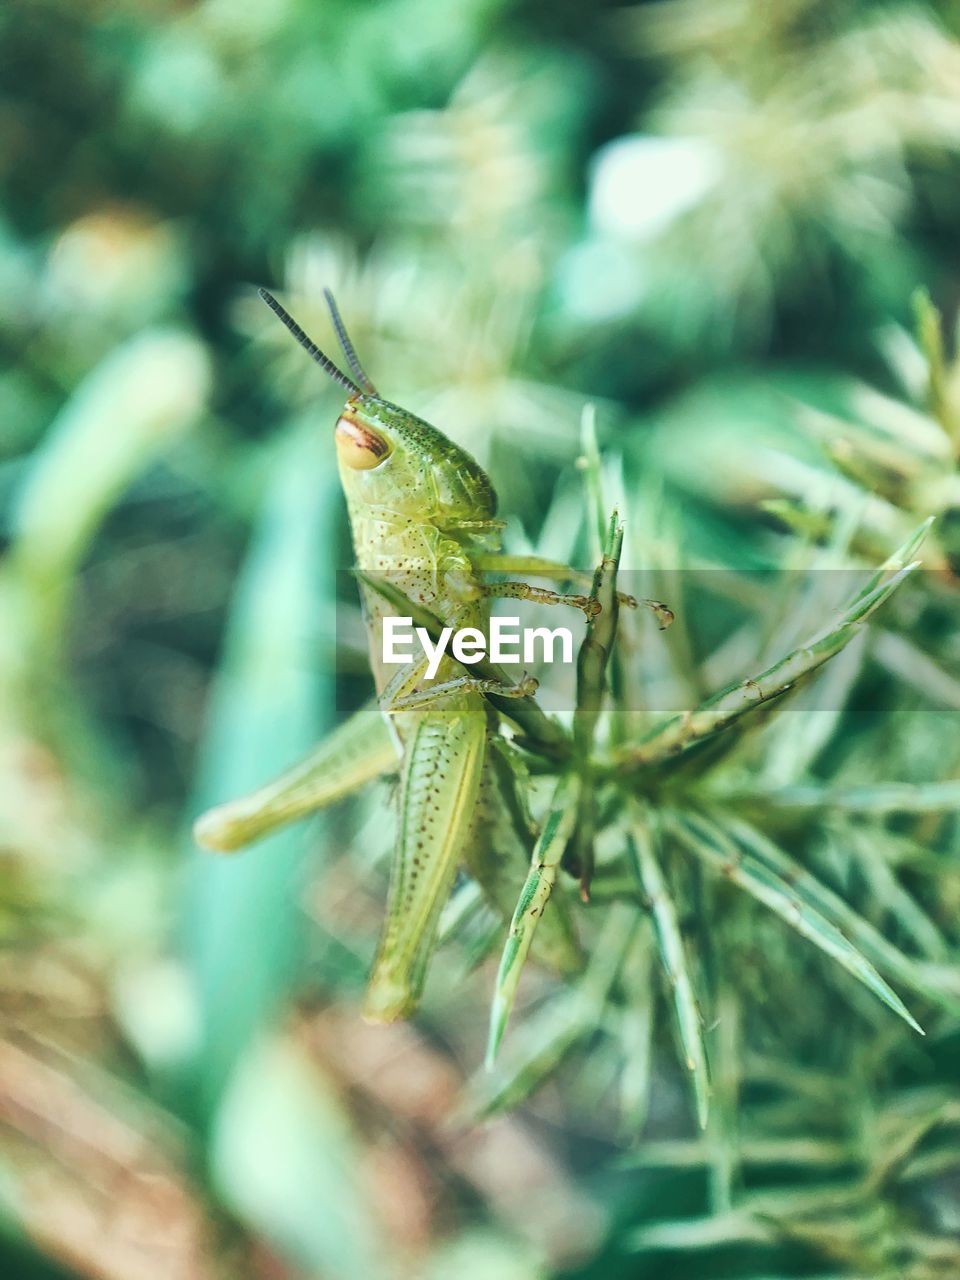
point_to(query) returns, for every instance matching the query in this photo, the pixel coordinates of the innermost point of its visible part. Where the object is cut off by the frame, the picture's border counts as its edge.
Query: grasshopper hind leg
(438, 794)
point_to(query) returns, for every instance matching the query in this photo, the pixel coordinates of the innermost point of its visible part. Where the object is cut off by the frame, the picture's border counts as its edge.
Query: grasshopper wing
(438, 793)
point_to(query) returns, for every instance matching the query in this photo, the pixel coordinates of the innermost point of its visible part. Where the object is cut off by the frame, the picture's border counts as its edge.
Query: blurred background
(706, 217)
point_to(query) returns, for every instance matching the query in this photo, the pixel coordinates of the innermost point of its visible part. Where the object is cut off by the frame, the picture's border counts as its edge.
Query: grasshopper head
(388, 457)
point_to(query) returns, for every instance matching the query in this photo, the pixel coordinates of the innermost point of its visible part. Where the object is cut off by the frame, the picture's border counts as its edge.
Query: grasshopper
(424, 526)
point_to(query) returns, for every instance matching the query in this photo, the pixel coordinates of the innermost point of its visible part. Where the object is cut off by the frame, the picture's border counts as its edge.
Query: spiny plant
(646, 822)
(864, 1186)
(801, 129)
(888, 458)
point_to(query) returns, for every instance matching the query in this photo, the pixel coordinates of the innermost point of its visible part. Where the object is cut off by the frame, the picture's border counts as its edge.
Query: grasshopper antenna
(308, 345)
(353, 359)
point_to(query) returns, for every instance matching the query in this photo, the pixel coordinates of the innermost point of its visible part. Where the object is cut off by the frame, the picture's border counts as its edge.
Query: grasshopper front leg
(400, 693)
(438, 792)
(540, 595)
(543, 568)
(527, 687)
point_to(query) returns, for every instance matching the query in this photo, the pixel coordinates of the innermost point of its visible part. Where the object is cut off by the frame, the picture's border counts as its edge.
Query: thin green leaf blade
(723, 709)
(875, 947)
(642, 854)
(544, 864)
(770, 889)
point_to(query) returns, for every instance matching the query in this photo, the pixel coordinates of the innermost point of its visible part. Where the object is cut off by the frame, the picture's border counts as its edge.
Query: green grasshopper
(423, 520)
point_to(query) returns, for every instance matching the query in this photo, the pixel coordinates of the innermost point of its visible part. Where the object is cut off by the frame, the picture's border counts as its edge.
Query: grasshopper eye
(359, 446)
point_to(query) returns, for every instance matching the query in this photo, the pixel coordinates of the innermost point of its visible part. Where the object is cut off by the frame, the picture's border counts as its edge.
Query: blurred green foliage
(708, 218)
